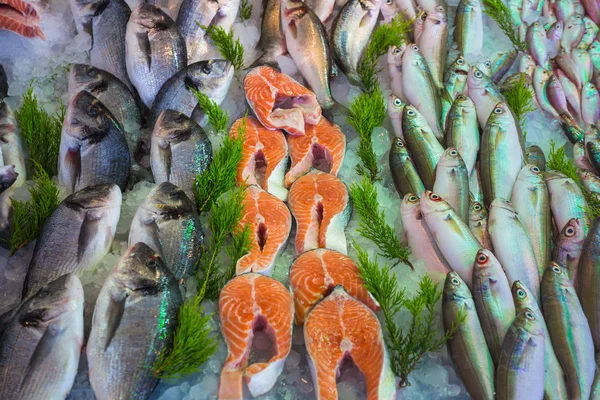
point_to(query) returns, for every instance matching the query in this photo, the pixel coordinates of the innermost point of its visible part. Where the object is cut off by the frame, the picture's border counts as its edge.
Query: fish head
(413, 118)
(521, 295)
(589, 90)
(437, 16)
(85, 77)
(58, 297)
(149, 16)
(168, 201)
(455, 289)
(531, 174)
(211, 77)
(411, 206)
(293, 9)
(502, 205)
(485, 66)
(526, 63)
(89, 120)
(556, 30)
(370, 5)
(412, 56)
(96, 197)
(529, 322)
(575, 21)
(477, 212)
(90, 8)
(431, 202)
(451, 158)
(173, 126)
(464, 103)
(500, 114)
(395, 107)
(540, 75)
(394, 55)
(557, 274)
(389, 9)
(571, 234)
(476, 78)
(486, 264)
(460, 66)
(139, 269)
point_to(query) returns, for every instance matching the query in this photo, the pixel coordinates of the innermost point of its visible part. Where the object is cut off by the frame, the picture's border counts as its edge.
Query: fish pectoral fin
(43, 349)
(144, 45)
(73, 163)
(165, 156)
(88, 233)
(114, 314)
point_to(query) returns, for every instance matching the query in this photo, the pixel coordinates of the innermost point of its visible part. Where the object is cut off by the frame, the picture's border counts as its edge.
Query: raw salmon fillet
(270, 224)
(20, 17)
(341, 326)
(248, 303)
(317, 272)
(264, 157)
(322, 147)
(279, 102)
(321, 207)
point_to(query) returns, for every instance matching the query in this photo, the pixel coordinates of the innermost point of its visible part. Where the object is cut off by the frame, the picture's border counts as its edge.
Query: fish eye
(44, 293)
(413, 198)
(174, 194)
(488, 64)
(397, 102)
(91, 71)
(506, 201)
(477, 207)
(535, 169)
(388, 1)
(478, 74)
(455, 281)
(521, 293)
(482, 258)
(497, 110)
(92, 111)
(556, 269)
(207, 69)
(453, 153)
(411, 113)
(399, 142)
(434, 197)
(397, 50)
(151, 263)
(415, 47)
(529, 315)
(460, 61)
(570, 231)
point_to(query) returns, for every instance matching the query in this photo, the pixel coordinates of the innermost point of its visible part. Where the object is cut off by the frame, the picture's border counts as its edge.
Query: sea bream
(247, 304)
(40, 347)
(264, 156)
(93, 149)
(134, 321)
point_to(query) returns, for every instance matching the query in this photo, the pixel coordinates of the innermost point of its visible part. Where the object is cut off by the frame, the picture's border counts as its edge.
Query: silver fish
(40, 348)
(432, 43)
(541, 78)
(452, 182)
(535, 155)
(566, 200)
(134, 321)
(395, 111)
(536, 40)
(553, 36)
(573, 32)
(462, 130)
(478, 224)
(468, 33)
(590, 103)
(571, 93)
(568, 245)
(589, 33)
(271, 44)
(394, 62)
(405, 175)
(455, 83)
(93, 149)
(484, 94)
(180, 150)
(167, 222)
(588, 274)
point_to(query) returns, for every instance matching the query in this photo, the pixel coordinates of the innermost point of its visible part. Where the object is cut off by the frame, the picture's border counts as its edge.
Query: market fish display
(248, 303)
(264, 157)
(168, 223)
(21, 18)
(341, 326)
(270, 223)
(279, 102)
(317, 272)
(134, 320)
(40, 347)
(320, 204)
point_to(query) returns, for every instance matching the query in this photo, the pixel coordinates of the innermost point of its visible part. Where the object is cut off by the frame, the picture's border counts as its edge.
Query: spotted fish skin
(315, 273)
(247, 303)
(341, 326)
(270, 223)
(321, 207)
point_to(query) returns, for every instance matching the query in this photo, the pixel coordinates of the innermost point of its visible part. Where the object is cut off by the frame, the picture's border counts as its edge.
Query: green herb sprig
(373, 225)
(216, 116)
(501, 14)
(406, 346)
(229, 47)
(245, 10)
(520, 98)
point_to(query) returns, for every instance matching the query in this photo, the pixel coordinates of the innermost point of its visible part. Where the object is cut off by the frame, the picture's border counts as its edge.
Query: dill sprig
(245, 10)
(216, 116)
(501, 14)
(40, 131)
(373, 225)
(519, 97)
(406, 346)
(231, 49)
(29, 216)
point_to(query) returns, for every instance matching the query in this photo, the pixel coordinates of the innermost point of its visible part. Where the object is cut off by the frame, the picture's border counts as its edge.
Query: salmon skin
(322, 147)
(339, 327)
(21, 18)
(247, 304)
(321, 207)
(270, 224)
(316, 273)
(279, 102)
(264, 157)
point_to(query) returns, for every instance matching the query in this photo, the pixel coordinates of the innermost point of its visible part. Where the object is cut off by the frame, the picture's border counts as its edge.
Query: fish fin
(87, 233)
(73, 162)
(144, 44)
(44, 347)
(165, 155)
(445, 95)
(114, 313)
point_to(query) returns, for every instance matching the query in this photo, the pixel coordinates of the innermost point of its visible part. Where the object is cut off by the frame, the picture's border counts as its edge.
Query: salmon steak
(320, 204)
(279, 102)
(316, 273)
(20, 17)
(249, 303)
(321, 147)
(341, 327)
(270, 223)
(264, 157)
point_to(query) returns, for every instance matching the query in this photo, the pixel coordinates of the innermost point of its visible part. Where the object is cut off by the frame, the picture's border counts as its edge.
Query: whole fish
(8, 176)
(569, 331)
(520, 372)
(535, 155)
(580, 158)
(134, 322)
(557, 96)
(426, 150)
(351, 32)
(590, 103)
(420, 89)
(468, 32)
(462, 131)
(573, 32)
(452, 182)
(590, 181)
(566, 63)
(3, 83)
(405, 175)
(512, 246)
(394, 62)
(467, 346)
(167, 222)
(84, 226)
(484, 94)
(93, 149)
(531, 202)
(590, 30)
(536, 41)
(584, 66)
(453, 237)
(179, 151)
(566, 200)
(493, 300)
(323, 9)
(114, 94)
(432, 43)
(553, 36)
(195, 15)
(307, 43)
(420, 240)
(109, 25)
(271, 44)
(395, 111)
(568, 245)
(541, 77)
(212, 78)
(588, 273)
(478, 224)
(501, 154)
(571, 93)
(40, 346)
(592, 9)
(555, 387)
(155, 50)
(592, 146)
(502, 62)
